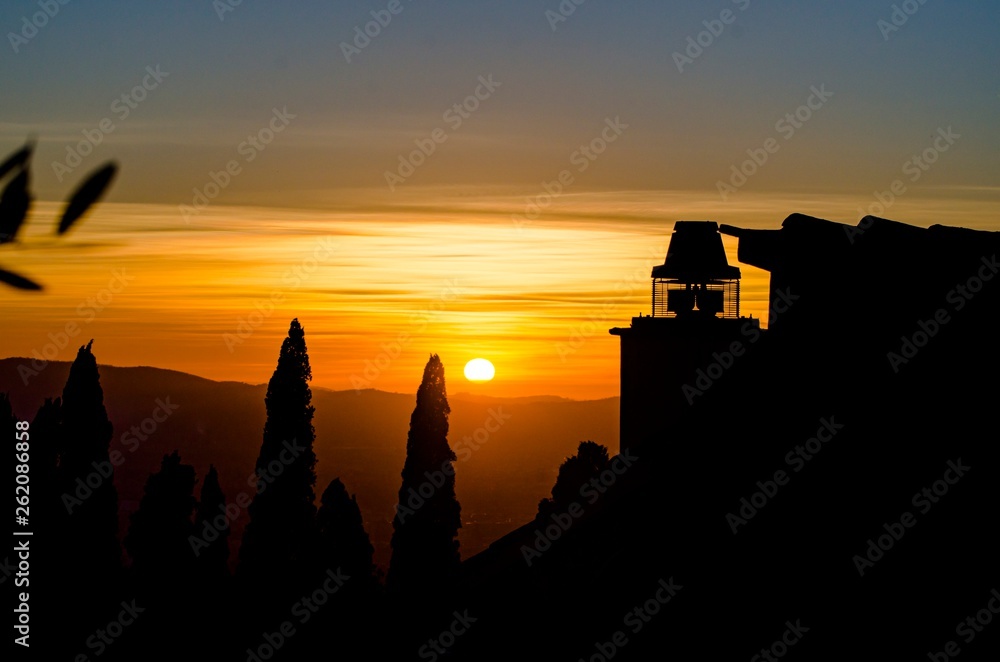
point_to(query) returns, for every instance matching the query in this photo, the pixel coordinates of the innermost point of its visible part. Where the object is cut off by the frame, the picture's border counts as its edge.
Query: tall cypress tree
(92, 526)
(425, 559)
(279, 544)
(88, 569)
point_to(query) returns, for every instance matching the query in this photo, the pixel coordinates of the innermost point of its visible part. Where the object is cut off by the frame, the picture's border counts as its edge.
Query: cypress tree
(425, 559)
(86, 554)
(278, 549)
(86, 475)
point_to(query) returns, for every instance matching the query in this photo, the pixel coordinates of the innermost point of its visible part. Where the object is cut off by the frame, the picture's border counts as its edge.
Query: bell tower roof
(696, 255)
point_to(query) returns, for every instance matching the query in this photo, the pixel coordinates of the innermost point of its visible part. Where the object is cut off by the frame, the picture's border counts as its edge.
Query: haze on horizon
(547, 88)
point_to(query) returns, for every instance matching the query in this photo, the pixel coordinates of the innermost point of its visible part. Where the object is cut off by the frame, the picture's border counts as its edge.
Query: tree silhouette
(211, 517)
(425, 558)
(157, 538)
(278, 549)
(87, 569)
(86, 475)
(163, 561)
(590, 460)
(344, 543)
(344, 547)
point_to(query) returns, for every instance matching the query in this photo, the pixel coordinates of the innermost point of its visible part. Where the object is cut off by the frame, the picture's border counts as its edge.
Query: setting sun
(479, 370)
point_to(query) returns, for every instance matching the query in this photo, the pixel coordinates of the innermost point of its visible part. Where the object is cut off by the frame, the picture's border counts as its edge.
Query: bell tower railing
(717, 298)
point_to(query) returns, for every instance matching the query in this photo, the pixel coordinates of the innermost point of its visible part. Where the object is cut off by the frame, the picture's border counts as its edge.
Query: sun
(479, 370)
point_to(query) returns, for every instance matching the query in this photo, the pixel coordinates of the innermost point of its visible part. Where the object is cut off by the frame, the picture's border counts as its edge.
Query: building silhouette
(771, 479)
(695, 313)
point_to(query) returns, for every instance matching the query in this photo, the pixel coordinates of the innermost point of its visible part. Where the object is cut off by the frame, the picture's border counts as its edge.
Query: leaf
(87, 194)
(18, 159)
(18, 281)
(14, 203)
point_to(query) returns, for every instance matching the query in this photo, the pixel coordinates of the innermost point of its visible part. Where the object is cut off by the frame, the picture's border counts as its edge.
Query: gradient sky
(324, 174)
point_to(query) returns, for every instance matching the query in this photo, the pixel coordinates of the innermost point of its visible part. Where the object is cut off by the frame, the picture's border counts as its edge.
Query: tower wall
(658, 357)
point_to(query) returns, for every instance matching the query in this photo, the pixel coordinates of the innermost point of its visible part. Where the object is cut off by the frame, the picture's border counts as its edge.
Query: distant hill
(360, 437)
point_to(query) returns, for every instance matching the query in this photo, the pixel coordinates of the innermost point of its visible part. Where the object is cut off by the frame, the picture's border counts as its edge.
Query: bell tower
(696, 279)
(695, 312)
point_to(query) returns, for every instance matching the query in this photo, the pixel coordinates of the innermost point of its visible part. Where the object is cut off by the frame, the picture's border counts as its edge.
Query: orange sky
(380, 289)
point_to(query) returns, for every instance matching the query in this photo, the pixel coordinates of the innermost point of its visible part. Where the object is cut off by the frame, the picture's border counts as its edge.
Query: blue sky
(606, 60)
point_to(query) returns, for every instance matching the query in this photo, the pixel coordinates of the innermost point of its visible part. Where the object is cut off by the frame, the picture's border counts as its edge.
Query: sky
(529, 158)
